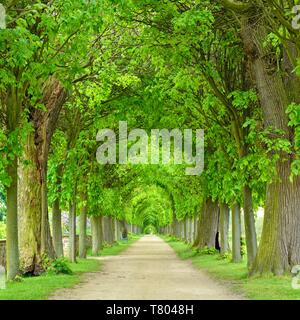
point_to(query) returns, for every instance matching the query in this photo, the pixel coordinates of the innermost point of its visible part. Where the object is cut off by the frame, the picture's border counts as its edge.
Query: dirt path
(149, 269)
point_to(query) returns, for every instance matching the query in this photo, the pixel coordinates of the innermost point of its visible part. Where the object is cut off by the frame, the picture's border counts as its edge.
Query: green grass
(118, 247)
(235, 276)
(40, 288)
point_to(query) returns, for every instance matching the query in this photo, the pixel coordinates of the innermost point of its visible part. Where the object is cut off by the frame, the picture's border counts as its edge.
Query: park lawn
(41, 287)
(234, 275)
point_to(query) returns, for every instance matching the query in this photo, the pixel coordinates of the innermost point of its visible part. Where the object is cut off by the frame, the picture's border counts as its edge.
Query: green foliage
(225, 256)
(2, 230)
(243, 247)
(207, 250)
(59, 266)
(294, 116)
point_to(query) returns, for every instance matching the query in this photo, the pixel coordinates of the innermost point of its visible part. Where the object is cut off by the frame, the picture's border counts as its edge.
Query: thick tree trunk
(57, 229)
(279, 248)
(185, 231)
(30, 213)
(195, 228)
(224, 228)
(250, 231)
(82, 230)
(111, 230)
(236, 233)
(96, 224)
(35, 236)
(208, 225)
(105, 229)
(47, 248)
(116, 227)
(12, 248)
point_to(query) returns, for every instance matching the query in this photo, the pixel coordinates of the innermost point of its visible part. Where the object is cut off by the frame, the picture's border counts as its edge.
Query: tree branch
(235, 5)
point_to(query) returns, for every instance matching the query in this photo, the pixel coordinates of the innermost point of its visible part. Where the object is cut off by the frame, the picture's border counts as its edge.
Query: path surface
(148, 270)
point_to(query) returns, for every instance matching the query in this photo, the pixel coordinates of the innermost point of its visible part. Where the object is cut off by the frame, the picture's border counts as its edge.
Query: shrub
(207, 250)
(225, 256)
(243, 246)
(58, 266)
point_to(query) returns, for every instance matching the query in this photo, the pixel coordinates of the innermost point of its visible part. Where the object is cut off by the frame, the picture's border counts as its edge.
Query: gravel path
(148, 270)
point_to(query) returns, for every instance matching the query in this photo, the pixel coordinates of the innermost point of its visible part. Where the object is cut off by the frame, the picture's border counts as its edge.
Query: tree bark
(96, 224)
(236, 233)
(35, 236)
(30, 214)
(279, 248)
(82, 229)
(208, 224)
(13, 114)
(72, 229)
(224, 228)
(12, 248)
(111, 230)
(57, 229)
(250, 231)
(56, 218)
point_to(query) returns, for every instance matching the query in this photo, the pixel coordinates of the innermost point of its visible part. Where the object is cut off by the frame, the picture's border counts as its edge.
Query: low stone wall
(65, 244)
(3, 253)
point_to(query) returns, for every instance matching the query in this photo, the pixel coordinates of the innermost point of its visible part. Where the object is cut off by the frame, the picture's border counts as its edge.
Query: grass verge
(235, 276)
(118, 247)
(40, 288)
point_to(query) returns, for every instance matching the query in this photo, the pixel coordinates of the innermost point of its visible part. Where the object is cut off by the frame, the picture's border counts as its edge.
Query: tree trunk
(224, 228)
(195, 228)
(30, 214)
(57, 229)
(279, 248)
(35, 236)
(208, 224)
(47, 248)
(111, 230)
(12, 248)
(185, 231)
(82, 229)
(96, 224)
(105, 229)
(72, 229)
(236, 233)
(250, 231)
(116, 227)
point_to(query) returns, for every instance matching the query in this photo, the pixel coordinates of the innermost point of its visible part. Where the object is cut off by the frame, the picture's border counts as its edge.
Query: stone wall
(65, 244)
(2, 253)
